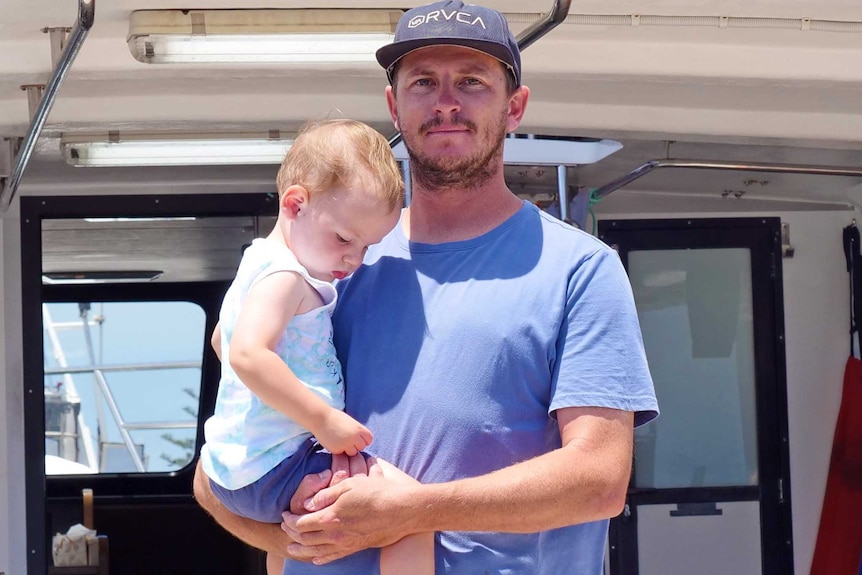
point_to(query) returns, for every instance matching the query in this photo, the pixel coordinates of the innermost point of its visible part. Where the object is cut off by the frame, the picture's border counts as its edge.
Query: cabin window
(695, 309)
(122, 385)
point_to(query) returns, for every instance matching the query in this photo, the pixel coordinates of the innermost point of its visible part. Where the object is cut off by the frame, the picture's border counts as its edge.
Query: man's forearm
(266, 536)
(583, 481)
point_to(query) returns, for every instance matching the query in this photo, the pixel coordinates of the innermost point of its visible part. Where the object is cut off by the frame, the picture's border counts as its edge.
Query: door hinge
(787, 250)
(781, 490)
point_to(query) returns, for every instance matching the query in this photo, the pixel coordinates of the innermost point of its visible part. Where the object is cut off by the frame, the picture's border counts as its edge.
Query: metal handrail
(648, 167)
(121, 423)
(124, 367)
(124, 426)
(86, 15)
(548, 22)
(554, 17)
(150, 425)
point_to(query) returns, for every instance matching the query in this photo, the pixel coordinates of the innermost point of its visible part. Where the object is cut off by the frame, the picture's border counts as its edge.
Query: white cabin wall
(817, 324)
(13, 541)
(5, 519)
(816, 317)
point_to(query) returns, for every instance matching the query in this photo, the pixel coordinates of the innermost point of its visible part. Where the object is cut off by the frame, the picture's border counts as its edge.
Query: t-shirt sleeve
(600, 353)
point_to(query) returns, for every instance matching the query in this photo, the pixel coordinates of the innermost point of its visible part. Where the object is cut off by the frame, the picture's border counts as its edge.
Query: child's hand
(343, 434)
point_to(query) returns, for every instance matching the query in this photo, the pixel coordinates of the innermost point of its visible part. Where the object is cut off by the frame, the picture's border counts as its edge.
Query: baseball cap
(457, 24)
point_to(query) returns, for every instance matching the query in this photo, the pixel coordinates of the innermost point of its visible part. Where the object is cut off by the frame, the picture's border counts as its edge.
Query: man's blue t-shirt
(456, 355)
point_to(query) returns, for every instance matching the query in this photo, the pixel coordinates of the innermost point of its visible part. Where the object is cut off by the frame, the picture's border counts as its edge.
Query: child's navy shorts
(266, 498)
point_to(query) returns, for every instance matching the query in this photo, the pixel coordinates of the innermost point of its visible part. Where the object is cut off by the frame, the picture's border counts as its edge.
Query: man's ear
(392, 105)
(293, 201)
(517, 107)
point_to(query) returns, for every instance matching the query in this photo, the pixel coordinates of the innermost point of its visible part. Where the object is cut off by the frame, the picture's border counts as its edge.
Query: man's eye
(423, 82)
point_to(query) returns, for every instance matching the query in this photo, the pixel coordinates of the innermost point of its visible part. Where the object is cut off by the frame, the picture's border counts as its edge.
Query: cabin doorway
(120, 294)
(710, 490)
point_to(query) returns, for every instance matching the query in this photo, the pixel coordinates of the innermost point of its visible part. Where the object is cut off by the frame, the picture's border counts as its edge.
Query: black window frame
(762, 236)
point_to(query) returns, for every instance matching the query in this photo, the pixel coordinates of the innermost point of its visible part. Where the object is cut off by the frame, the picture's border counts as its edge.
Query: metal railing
(86, 16)
(103, 392)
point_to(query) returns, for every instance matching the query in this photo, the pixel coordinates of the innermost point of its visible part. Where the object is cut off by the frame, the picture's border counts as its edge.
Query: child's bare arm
(215, 340)
(266, 311)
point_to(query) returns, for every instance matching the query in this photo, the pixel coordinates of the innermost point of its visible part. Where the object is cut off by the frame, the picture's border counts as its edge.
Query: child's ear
(293, 201)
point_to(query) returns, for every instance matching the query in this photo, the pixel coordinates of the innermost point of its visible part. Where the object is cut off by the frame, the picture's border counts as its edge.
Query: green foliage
(187, 444)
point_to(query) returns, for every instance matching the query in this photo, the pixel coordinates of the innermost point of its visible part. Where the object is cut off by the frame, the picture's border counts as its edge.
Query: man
(494, 352)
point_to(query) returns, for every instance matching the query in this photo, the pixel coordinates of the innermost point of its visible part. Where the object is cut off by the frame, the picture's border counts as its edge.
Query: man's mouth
(439, 126)
(445, 131)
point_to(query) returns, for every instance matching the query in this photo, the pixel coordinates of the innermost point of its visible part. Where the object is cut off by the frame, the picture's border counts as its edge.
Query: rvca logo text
(437, 15)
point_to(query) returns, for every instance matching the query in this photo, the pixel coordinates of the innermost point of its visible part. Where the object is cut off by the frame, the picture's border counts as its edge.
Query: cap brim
(388, 55)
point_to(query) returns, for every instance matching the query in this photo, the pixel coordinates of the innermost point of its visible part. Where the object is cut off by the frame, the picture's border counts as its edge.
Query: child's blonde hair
(327, 153)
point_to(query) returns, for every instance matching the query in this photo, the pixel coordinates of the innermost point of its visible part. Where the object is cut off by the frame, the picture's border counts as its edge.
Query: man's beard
(463, 172)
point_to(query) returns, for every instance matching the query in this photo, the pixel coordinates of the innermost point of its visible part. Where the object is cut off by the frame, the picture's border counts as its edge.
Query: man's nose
(447, 100)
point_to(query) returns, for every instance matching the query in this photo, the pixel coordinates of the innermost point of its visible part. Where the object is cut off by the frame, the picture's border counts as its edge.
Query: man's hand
(342, 468)
(358, 513)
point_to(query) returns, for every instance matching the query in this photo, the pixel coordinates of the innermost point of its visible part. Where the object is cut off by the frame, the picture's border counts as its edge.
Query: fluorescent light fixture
(235, 49)
(262, 36)
(166, 149)
(538, 151)
(99, 277)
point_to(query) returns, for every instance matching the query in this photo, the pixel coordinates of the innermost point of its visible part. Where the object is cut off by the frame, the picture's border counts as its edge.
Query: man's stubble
(447, 173)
